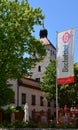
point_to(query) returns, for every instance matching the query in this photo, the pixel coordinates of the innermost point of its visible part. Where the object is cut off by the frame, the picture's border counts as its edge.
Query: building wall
(50, 53)
(29, 92)
(30, 87)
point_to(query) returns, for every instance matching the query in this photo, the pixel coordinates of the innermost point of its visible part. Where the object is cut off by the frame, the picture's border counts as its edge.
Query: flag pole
(56, 103)
(56, 85)
(64, 56)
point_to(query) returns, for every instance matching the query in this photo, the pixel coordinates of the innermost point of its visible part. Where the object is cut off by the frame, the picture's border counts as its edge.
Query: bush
(52, 124)
(1, 109)
(19, 124)
(6, 116)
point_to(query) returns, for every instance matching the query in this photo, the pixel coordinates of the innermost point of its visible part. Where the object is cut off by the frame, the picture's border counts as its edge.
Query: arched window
(37, 79)
(39, 68)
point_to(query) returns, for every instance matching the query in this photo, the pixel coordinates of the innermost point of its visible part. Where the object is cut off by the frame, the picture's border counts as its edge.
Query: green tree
(6, 94)
(17, 20)
(67, 94)
(49, 80)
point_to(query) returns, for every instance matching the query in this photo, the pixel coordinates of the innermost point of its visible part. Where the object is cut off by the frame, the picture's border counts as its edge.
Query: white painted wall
(29, 92)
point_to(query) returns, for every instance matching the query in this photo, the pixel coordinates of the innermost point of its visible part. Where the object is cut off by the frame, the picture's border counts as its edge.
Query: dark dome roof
(43, 33)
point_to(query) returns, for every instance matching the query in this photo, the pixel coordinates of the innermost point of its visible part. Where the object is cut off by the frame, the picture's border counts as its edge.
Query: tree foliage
(17, 20)
(49, 80)
(6, 94)
(67, 94)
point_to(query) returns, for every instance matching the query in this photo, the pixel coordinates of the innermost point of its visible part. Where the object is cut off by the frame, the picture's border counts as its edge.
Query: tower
(38, 70)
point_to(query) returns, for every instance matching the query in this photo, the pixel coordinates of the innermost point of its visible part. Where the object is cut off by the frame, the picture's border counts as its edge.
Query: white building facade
(28, 91)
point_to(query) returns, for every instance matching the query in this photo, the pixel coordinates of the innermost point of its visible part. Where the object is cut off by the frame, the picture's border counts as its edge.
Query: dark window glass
(49, 104)
(23, 98)
(41, 101)
(51, 52)
(39, 68)
(37, 79)
(33, 100)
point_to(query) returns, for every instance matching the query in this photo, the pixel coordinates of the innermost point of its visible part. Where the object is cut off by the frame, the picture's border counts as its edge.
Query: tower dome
(43, 33)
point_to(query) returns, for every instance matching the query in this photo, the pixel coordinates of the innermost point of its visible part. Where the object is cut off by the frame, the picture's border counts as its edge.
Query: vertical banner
(65, 56)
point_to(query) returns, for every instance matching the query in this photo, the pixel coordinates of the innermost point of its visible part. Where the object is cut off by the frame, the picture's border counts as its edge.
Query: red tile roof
(45, 41)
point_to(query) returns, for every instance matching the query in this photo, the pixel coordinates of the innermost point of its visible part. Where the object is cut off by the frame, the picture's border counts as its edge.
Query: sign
(65, 56)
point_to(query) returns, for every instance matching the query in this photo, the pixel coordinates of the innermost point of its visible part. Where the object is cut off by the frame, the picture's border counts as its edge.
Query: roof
(45, 41)
(30, 83)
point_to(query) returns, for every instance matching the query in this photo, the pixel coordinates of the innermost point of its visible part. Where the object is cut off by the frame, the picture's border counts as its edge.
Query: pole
(56, 103)
(56, 84)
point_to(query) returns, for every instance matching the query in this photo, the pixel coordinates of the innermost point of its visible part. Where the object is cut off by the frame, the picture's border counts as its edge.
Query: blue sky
(59, 15)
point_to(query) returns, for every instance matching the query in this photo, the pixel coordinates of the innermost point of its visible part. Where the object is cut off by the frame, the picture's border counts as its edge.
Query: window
(41, 101)
(23, 98)
(33, 100)
(51, 52)
(37, 79)
(49, 104)
(39, 68)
